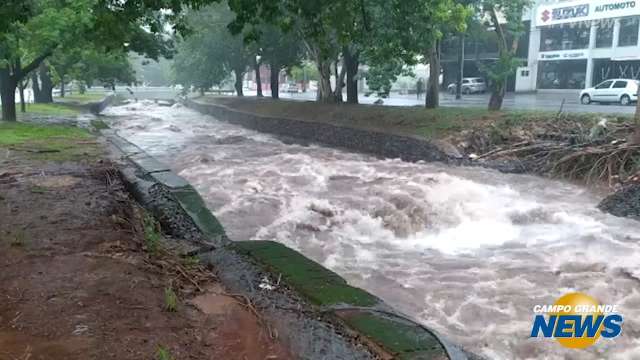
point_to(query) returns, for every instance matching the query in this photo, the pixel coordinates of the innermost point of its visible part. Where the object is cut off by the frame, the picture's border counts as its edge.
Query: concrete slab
(317, 284)
(403, 339)
(192, 203)
(170, 180)
(127, 148)
(148, 164)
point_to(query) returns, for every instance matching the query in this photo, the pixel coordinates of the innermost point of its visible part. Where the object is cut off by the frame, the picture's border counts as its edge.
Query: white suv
(622, 91)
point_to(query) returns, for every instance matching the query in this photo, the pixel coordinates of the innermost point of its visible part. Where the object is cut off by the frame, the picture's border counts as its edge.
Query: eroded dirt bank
(79, 279)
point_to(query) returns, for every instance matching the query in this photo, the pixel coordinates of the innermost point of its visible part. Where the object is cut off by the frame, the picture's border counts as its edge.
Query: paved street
(536, 101)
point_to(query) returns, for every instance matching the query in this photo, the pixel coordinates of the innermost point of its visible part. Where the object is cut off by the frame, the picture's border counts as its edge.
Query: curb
(315, 310)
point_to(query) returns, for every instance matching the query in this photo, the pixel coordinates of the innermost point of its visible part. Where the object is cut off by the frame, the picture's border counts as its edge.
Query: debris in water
(266, 284)
(324, 212)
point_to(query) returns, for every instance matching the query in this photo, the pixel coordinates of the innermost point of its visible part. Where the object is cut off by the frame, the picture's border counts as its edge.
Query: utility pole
(461, 70)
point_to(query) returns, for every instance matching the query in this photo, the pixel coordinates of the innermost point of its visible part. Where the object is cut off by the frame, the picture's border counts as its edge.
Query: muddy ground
(79, 281)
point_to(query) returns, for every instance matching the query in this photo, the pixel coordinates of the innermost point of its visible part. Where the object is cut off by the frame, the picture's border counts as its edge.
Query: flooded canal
(466, 251)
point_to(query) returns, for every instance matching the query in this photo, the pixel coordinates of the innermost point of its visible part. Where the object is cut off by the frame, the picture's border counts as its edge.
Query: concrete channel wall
(381, 144)
(312, 309)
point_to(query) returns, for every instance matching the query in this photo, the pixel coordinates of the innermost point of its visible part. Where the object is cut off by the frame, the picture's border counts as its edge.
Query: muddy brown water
(466, 251)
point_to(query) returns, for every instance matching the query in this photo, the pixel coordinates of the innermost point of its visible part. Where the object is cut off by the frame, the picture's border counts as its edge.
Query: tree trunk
(23, 105)
(35, 86)
(433, 88)
(351, 62)
(46, 85)
(340, 81)
(274, 76)
(62, 88)
(497, 97)
(8, 86)
(256, 67)
(238, 83)
(325, 95)
(460, 67)
(637, 117)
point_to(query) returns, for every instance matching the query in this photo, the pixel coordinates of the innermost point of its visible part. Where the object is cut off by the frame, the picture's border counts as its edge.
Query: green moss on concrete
(316, 283)
(402, 339)
(193, 204)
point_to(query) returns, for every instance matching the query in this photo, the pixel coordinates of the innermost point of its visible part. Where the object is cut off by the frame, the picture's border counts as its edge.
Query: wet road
(466, 251)
(540, 101)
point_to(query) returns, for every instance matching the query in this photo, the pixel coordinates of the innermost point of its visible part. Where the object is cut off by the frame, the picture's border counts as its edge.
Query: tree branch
(20, 73)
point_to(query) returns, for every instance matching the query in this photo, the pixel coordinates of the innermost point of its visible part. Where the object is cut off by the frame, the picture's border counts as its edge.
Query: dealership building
(577, 44)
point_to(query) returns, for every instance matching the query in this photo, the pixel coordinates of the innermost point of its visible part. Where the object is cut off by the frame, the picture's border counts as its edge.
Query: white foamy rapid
(466, 251)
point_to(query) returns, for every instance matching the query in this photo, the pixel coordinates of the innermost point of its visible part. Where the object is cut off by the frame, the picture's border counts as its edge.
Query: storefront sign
(585, 11)
(563, 55)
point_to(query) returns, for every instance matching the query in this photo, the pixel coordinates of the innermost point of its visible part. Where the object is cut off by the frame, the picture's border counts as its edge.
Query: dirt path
(77, 283)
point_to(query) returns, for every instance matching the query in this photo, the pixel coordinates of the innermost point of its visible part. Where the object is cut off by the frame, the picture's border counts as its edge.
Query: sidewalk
(84, 273)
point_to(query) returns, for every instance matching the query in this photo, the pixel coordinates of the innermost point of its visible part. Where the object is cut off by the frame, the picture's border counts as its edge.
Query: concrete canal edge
(314, 310)
(381, 144)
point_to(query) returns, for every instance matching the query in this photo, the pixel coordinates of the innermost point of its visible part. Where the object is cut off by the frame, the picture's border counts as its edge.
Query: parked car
(290, 88)
(623, 91)
(469, 86)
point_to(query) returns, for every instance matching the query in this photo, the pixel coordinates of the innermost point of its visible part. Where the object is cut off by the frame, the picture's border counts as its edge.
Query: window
(565, 37)
(604, 85)
(620, 85)
(604, 34)
(629, 31)
(562, 74)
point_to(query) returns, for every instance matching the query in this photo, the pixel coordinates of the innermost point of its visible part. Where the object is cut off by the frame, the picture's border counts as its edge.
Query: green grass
(51, 109)
(163, 354)
(83, 98)
(170, 300)
(409, 120)
(48, 142)
(15, 133)
(152, 236)
(19, 239)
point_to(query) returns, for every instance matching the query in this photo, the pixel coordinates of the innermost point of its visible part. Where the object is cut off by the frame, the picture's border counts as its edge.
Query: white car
(623, 91)
(290, 88)
(469, 86)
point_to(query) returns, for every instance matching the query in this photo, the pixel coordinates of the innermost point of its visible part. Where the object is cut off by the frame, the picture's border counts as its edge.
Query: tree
(406, 32)
(281, 51)
(505, 17)
(32, 30)
(108, 68)
(29, 39)
(323, 26)
(210, 52)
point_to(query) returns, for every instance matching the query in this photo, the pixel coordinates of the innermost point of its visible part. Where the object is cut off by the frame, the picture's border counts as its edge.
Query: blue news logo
(576, 321)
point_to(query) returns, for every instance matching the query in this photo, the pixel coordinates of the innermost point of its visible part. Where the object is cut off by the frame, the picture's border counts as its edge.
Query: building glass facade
(576, 44)
(562, 74)
(629, 31)
(604, 34)
(566, 37)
